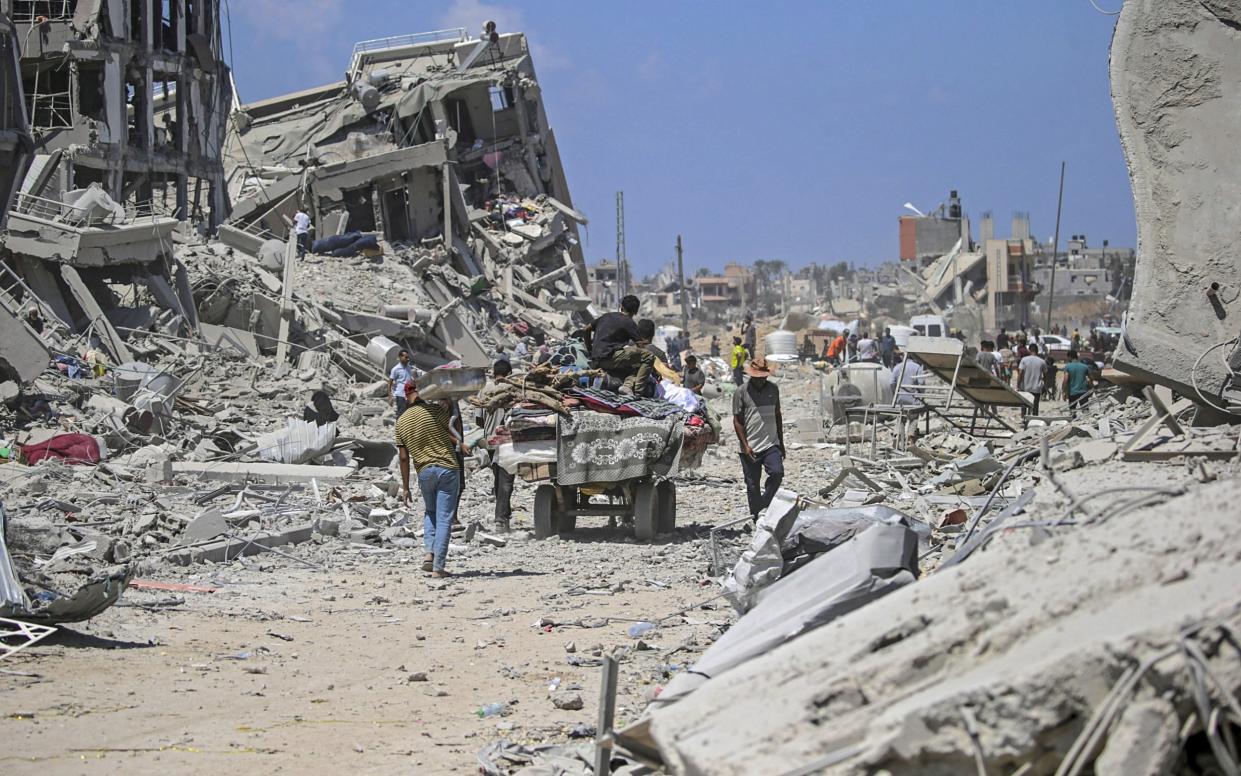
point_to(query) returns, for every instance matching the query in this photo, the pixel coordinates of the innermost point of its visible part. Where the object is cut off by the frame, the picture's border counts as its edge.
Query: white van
(929, 325)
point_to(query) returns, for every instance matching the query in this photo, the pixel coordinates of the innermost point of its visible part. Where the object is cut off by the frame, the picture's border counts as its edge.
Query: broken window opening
(460, 120)
(397, 226)
(501, 98)
(361, 210)
(48, 101)
(167, 26)
(90, 92)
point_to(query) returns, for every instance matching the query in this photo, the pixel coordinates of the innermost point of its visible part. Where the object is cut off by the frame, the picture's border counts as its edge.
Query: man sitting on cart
(612, 340)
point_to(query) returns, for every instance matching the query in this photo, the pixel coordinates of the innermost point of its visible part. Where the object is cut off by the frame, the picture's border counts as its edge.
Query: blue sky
(780, 130)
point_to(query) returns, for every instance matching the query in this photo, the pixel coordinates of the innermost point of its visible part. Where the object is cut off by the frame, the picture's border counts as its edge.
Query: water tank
(382, 352)
(780, 345)
(367, 95)
(855, 385)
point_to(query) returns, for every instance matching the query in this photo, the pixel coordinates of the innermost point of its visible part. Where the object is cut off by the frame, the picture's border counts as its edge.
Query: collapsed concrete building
(436, 150)
(127, 106)
(132, 96)
(440, 146)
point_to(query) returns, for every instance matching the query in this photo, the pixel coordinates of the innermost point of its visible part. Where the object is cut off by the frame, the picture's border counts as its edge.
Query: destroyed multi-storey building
(127, 105)
(435, 144)
(132, 96)
(431, 138)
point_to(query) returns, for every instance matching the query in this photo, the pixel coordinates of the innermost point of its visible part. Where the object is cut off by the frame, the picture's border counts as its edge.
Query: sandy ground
(370, 664)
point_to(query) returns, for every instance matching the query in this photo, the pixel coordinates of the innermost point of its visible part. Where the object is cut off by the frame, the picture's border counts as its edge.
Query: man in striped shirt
(424, 436)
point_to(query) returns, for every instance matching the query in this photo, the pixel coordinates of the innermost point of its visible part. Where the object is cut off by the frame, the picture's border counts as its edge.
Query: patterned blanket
(596, 447)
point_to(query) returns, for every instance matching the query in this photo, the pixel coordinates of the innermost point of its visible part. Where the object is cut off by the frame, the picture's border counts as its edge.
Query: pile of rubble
(194, 366)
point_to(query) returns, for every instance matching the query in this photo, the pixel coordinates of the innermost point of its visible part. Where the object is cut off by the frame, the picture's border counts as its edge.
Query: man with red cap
(760, 430)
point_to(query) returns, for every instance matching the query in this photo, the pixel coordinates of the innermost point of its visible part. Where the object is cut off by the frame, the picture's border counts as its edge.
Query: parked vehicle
(929, 325)
(1055, 346)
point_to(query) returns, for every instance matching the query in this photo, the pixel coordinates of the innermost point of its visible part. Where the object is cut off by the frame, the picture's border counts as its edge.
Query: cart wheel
(667, 506)
(544, 511)
(567, 524)
(645, 511)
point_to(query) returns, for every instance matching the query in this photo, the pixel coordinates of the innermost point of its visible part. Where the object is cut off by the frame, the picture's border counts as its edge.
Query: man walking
(749, 334)
(401, 376)
(887, 348)
(1076, 382)
(489, 421)
(424, 437)
(1001, 341)
(986, 358)
(301, 227)
(1030, 371)
(715, 346)
(760, 431)
(738, 361)
(613, 344)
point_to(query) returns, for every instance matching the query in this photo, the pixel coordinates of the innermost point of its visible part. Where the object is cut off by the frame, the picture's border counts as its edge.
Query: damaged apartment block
(132, 96)
(127, 107)
(439, 145)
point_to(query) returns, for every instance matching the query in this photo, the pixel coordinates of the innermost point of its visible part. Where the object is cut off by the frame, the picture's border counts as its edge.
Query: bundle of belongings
(561, 416)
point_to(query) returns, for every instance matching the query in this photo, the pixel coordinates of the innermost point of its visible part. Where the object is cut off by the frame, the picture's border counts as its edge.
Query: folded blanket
(593, 447)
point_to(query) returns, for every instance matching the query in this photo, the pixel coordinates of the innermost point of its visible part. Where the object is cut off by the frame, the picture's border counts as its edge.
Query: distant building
(925, 238)
(723, 294)
(1010, 283)
(1082, 271)
(603, 284)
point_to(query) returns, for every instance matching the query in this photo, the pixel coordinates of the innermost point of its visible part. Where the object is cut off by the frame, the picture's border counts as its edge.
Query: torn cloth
(593, 447)
(70, 448)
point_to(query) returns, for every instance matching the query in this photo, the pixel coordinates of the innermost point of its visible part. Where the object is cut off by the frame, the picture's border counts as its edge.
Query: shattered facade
(132, 96)
(432, 139)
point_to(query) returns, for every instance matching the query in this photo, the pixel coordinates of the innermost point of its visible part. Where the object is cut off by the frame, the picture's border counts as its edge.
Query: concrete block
(272, 473)
(232, 547)
(22, 355)
(1176, 82)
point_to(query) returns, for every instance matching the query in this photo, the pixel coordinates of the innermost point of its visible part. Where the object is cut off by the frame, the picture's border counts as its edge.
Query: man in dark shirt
(646, 338)
(613, 343)
(887, 348)
(1001, 341)
(693, 378)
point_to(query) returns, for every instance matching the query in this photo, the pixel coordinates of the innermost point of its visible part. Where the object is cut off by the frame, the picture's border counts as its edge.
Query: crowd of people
(430, 434)
(431, 441)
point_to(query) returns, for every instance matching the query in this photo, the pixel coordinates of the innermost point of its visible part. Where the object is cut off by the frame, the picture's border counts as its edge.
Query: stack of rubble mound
(168, 390)
(1060, 602)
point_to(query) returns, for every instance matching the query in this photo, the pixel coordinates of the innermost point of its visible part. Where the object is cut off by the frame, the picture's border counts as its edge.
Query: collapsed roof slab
(1176, 84)
(137, 242)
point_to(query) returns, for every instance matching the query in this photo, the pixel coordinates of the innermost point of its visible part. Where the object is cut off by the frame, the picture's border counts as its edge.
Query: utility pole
(622, 262)
(684, 291)
(1055, 246)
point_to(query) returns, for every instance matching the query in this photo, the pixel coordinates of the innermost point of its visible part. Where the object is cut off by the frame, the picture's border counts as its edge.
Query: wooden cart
(649, 503)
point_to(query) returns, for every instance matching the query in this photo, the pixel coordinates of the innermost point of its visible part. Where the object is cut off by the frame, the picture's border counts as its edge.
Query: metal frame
(14, 629)
(939, 398)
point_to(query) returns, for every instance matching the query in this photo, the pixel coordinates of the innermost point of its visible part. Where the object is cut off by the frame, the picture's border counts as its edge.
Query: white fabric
(509, 454)
(301, 223)
(682, 397)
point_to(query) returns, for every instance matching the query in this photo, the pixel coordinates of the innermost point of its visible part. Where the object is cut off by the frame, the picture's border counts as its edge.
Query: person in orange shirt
(836, 350)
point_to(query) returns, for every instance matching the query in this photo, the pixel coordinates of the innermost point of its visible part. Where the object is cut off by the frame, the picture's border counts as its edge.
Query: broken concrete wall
(1176, 84)
(15, 141)
(135, 95)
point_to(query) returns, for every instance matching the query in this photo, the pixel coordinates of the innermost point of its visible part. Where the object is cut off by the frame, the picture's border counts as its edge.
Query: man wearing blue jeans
(760, 430)
(424, 436)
